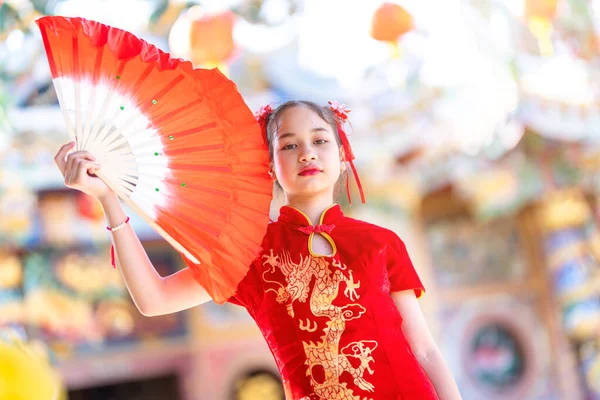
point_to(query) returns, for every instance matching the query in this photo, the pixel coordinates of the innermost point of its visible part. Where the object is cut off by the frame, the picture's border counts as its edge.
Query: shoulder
(370, 228)
(273, 227)
(376, 233)
(274, 231)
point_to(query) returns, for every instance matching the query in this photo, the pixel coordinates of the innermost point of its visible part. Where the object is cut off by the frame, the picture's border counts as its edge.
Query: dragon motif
(324, 360)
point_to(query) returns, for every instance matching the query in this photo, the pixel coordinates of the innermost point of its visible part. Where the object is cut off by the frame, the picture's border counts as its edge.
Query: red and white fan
(177, 144)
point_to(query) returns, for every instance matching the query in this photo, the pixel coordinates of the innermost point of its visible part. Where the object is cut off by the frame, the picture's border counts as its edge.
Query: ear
(272, 172)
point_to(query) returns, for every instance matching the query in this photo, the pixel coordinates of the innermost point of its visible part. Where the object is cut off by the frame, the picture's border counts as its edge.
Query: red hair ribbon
(341, 112)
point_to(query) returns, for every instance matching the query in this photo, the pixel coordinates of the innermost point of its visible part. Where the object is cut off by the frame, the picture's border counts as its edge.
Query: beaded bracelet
(116, 228)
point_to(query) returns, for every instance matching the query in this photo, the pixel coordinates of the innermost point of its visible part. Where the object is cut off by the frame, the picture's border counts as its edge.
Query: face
(306, 157)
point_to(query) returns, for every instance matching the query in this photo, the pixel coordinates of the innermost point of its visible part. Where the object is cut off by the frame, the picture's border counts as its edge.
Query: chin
(307, 186)
(311, 189)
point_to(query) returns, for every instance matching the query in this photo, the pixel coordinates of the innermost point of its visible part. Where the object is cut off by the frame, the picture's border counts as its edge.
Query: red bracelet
(116, 228)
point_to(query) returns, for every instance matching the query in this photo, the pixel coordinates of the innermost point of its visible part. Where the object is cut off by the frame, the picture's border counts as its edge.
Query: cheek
(334, 158)
(280, 161)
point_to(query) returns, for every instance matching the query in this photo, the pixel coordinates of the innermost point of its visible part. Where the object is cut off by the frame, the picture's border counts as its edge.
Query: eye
(321, 141)
(289, 147)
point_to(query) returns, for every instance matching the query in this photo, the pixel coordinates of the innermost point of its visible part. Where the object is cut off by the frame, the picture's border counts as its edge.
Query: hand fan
(177, 144)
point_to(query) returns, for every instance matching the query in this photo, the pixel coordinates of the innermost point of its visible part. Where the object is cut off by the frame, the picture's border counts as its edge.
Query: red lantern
(203, 38)
(211, 38)
(390, 22)
(545, 9)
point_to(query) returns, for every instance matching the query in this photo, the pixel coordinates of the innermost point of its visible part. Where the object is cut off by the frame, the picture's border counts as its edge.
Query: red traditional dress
(330, 321)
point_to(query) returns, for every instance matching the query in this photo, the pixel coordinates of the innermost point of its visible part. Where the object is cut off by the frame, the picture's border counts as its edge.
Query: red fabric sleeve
(401, 272)
(246, 294)
(234, 300)
(237, 300)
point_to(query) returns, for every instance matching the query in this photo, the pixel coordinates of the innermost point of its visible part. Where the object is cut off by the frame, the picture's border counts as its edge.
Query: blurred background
(476, 125)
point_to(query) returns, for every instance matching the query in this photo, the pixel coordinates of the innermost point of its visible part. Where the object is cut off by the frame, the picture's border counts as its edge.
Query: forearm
(440, 375)
(142, 280)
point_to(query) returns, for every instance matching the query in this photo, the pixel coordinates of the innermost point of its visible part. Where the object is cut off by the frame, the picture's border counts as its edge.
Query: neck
(312, 206)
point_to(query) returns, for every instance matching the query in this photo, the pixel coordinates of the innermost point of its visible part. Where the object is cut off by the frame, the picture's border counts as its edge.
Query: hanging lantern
(545, 9)
(390, 22)
(212, 38)
(205, 39)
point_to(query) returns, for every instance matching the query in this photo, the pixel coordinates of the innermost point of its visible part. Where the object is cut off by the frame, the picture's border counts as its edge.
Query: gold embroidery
(308, 327)
(324, 360)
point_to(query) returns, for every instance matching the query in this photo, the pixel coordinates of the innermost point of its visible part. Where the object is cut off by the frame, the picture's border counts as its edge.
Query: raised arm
(151, 293)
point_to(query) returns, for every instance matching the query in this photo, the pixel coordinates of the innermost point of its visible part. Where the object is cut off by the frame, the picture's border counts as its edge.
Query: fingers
(60, 158)
(84, 168)
(75, 162)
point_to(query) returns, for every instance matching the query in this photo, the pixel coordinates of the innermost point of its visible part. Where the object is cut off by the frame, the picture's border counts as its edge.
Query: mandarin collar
(293, 216)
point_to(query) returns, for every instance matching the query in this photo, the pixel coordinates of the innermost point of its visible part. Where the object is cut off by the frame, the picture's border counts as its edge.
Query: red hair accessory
(339, 109)
(261, 117)
(341, 112)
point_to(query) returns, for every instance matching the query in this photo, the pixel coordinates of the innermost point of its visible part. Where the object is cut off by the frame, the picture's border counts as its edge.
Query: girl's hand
(78, 169)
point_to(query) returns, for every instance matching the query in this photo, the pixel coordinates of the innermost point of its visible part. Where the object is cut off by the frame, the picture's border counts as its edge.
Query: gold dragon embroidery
(324, 360)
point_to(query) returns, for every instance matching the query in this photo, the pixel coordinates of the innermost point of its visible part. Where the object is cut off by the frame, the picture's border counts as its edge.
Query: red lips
(309, 170)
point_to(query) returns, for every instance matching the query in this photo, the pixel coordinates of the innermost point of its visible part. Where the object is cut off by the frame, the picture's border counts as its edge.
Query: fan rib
(138, 84)
(130, 172)
(75, 58)
(202, 188)
(64, 108)
(126, 185)
(88, 118)
(49, 52)
(194, 130)
(131, 179)
(160, 119)
(92, 104)
(110, 138)
(97, 125)
(170, 86)
(188, 150)
(190, 167)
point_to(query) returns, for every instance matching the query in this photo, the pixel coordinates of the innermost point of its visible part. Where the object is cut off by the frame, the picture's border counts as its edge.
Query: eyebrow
(313, 130)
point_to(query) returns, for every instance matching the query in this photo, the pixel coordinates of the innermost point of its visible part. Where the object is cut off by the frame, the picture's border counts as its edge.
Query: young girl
(335, 298)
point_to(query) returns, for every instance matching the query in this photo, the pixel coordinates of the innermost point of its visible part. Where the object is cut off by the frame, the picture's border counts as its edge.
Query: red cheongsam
(330, 321)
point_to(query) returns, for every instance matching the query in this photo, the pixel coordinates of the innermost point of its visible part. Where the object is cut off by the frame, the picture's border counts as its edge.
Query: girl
(335, 298)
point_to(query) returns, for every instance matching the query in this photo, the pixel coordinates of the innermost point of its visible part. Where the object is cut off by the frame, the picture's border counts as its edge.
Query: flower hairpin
(339, 109)
(263, 112)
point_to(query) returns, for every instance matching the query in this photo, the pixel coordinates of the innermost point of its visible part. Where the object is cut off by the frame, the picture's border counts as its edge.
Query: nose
(308, 153)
